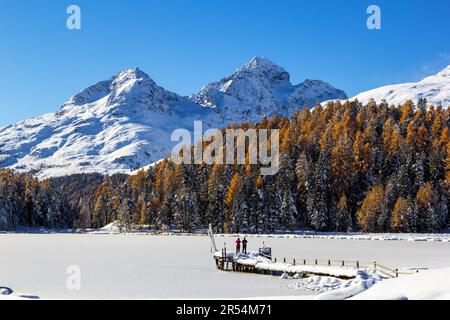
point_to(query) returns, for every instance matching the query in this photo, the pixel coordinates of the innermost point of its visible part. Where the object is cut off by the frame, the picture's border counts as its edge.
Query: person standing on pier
(238, 245)
(244, 245)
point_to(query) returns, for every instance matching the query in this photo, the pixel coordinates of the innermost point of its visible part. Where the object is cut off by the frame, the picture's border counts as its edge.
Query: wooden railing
(385, 271)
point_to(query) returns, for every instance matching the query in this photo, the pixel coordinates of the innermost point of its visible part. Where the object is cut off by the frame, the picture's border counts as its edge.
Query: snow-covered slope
(113, 126)
(262, 88)
(125, 122)
(435, 88)
(426, 285)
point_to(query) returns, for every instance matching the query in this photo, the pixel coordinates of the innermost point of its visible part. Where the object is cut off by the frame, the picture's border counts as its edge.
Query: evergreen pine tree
(288, 211)
(343, 215)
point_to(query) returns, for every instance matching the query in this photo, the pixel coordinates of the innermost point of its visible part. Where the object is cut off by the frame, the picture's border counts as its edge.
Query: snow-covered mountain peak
(263, 67)
(128, 89)
(260, 88)
(445, 72)
(135, 73)
(254, 80)
(133, 88)
(103, 88)
(130, 77)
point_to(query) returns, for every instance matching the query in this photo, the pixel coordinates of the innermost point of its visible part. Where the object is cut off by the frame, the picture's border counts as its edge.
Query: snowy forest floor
(136, 266)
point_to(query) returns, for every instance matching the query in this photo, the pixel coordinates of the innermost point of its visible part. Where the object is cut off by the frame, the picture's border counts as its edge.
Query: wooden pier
(267, 265)
(226, 261)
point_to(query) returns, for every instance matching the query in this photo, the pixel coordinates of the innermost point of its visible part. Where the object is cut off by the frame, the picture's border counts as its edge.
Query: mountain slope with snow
(262, 88)
(435, 88)
(126, 122)
(113, 126)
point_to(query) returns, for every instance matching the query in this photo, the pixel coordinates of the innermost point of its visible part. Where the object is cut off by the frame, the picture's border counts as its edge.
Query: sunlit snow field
(148, 267)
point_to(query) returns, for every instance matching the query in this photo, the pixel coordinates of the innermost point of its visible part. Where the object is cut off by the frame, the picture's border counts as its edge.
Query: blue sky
(183, 45)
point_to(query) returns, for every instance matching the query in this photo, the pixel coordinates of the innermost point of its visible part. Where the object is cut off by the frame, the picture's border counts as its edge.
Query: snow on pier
(257, 263)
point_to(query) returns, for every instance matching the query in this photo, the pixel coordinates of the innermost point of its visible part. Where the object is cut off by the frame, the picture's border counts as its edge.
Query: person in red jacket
(238, 245)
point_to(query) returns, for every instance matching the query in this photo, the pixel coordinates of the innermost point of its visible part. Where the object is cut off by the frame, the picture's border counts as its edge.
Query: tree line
(343, 167)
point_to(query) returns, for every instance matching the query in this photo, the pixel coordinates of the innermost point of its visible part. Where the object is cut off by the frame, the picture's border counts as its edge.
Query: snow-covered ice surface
(124, 267)
(146, 267)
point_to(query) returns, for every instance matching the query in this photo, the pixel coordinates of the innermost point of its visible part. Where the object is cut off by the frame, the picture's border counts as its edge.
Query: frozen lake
(146, 267)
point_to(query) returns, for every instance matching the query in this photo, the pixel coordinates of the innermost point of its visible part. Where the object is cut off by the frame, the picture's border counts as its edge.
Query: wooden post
(304, 262)
(329, 263)
(343, 263)
(357, 264)
(316, 262)
(275, 260)
(224, 258)
(284, 260)
(293, 262)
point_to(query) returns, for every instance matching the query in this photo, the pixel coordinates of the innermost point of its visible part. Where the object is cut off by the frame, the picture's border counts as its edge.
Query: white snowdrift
(331, 288)
(113, 227)
(323, 270)
(426, 285)
(8, 294)
(349, 288)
